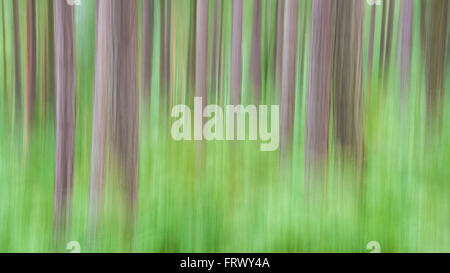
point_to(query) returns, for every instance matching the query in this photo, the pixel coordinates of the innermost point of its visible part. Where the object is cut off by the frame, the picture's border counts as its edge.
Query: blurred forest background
(86, 153)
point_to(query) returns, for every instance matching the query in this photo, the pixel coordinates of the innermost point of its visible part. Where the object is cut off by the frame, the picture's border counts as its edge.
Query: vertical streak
(147, 47)
(256, 51)
(99, 120)
(288, 81)
(318, 105)
(17, 70)
(406, 48)
(236, 53)
(65, 121)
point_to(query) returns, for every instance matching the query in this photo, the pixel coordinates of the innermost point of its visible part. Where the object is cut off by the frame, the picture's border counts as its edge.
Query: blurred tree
(318, 105)
(236, 53)
(201, 72)
(347, 84)
(147, 47)
(255, 69)
(31, 66)
(406, 49)
(17, 66)
(435, 48)
(99, 120)
(124, 105)
(288, 83)
(65, 121)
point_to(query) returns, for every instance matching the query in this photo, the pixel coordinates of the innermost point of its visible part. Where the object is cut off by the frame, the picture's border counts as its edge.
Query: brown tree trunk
(65, 121)
(435, 46)
(5, 82)
(347, 84)
(279, 42)
(17, 66)
(124, 111)
(31, 63)
(288, 82)
(99, 120)
(147, 47)
(165, 47)
(236, 53)
(318, 111)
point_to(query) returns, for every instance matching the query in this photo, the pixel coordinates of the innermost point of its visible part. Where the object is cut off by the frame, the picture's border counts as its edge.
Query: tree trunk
(288, 82)
(436, 31)
(201, 72)
(236, 53)
(347, 84)
(256, 51)
(406, 50)
(17, 66)
(31, 63)
(147, 47)
(124, 109)
(318, 111)
(279, 42)
(99, 120)
(65, 121)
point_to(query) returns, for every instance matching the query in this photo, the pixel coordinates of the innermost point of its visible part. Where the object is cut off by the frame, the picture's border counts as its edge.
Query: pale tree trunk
(256, 51)
(99, 120)
(201, 72)
(65, 121)
(288, 83)
(318, 105)
(124, 115)
(236, 53)
(387, 57)
(406, 51)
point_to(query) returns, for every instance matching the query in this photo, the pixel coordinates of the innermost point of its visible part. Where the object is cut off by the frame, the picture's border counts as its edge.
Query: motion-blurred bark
(65, 122)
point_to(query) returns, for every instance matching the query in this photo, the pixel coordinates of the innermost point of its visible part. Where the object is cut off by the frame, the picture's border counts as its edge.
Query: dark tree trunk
(65, 121)
(347, 83)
